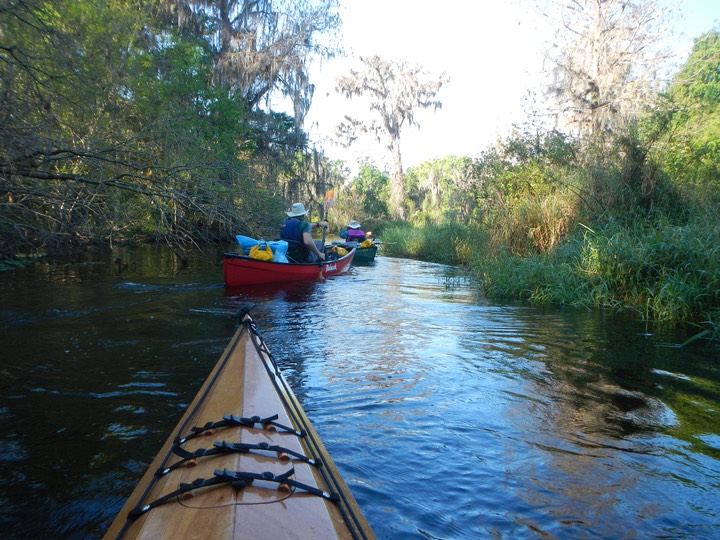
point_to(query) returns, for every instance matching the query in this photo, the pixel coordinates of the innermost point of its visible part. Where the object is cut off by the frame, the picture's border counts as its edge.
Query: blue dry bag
(246, 243)
(279, 248)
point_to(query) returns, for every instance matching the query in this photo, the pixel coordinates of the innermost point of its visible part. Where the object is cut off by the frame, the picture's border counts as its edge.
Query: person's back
(291, 232)
(354, 233)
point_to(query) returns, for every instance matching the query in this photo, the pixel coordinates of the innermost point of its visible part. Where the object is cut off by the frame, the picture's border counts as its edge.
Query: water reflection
(292, 292)
(450, 416)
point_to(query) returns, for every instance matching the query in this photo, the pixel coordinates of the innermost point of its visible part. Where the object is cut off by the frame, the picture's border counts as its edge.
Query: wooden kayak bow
(243, 462)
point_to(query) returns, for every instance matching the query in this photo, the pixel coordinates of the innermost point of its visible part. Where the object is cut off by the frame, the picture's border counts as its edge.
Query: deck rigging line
(224, 448)
(238, 480)
(230, 420)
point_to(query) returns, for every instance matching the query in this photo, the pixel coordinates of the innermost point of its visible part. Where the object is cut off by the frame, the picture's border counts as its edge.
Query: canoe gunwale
(362, 254)
(346, 503)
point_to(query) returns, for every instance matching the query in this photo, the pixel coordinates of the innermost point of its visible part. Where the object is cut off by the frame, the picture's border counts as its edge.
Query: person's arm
(310, 244)
(316, 224)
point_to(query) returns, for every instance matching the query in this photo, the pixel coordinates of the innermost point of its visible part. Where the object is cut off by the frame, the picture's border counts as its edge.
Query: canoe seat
(298, 253)
(295, 252)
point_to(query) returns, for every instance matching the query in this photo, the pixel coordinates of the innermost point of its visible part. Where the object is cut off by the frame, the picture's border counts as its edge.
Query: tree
(262, 45)
(115, 124)
(684, 128)
(365, 199)
(444, 189)
(372, 184)
(606, 60)
(396, 90)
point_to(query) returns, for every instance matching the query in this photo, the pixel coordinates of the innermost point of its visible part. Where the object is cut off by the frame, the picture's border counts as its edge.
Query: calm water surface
(449, 415)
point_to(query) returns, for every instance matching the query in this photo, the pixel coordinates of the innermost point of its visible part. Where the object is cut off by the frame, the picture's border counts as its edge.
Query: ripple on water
(124, 432)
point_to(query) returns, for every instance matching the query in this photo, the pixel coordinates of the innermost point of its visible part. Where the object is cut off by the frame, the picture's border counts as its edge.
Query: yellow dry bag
(261, 252)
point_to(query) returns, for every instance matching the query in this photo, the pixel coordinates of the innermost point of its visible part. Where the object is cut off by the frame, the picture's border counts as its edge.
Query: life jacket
(290, 232)
(355, 235)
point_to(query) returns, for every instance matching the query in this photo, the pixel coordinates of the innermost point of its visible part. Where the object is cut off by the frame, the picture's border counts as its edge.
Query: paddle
(329, 201)
(324, 253)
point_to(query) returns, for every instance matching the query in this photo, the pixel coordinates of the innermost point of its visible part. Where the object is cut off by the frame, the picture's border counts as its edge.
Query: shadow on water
(450, 416)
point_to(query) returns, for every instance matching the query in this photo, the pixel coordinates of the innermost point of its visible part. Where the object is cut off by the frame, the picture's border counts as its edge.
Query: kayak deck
(243, 462)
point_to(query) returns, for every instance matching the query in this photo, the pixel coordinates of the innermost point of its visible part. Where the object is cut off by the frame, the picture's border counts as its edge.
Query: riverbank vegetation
(132, 121)
(626, 220)
(135, 121)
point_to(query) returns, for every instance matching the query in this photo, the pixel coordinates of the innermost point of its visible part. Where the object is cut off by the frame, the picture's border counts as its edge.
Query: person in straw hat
(297, 232)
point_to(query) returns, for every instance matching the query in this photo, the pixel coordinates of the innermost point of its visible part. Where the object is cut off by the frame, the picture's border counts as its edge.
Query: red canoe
(242, 270)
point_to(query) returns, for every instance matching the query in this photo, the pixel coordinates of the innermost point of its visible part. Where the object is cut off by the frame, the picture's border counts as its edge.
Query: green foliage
(684, 129)
(372, 188)
(659, 270)
(528, 191)
(526, 164)
(698, 81)
(623, 178)
(117, 125)
(442, 190)
(449, 243)
(365, 199)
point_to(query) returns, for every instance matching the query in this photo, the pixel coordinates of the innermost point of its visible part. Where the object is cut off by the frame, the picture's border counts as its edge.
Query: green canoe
(365, 254)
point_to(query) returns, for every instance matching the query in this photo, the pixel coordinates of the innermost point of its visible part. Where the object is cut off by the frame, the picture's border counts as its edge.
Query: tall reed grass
(662, 271)
(451, 243)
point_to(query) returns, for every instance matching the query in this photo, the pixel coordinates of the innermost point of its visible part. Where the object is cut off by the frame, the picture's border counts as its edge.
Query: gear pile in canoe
(243, 462)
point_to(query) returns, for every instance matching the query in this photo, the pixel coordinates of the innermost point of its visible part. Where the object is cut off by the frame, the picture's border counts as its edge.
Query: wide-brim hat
(297, 210)
(353, 225)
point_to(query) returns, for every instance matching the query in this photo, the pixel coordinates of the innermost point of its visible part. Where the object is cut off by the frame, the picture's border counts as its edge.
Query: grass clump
(449, 243)
(663, 272)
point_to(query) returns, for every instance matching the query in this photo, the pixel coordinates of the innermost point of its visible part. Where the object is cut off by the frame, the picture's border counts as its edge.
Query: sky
(490, 49)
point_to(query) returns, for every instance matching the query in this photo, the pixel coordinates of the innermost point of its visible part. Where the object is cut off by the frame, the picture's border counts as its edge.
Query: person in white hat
(353, 233)
(297, 232)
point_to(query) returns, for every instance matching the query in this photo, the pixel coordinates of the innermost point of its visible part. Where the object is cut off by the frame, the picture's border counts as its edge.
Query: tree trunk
(397, 183)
